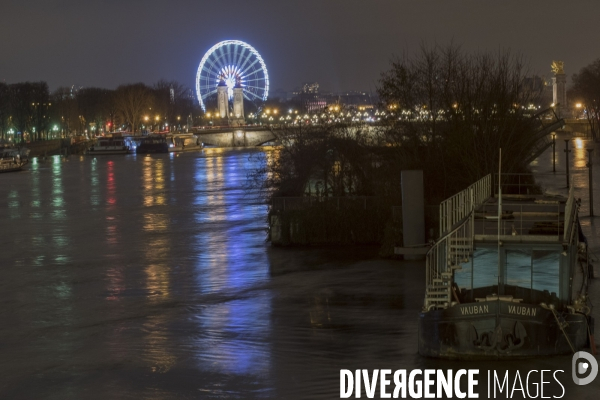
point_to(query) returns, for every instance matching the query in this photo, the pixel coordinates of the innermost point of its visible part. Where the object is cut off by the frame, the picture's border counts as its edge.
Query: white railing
(456, 208)
(443, 259)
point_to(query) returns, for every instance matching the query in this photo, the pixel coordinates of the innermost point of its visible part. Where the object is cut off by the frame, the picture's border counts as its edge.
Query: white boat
(110, 145)
(183, 142)
(12, 159)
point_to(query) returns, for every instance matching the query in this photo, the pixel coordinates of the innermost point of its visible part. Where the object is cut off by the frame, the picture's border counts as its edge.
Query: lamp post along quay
(589, 165)
(567, 151)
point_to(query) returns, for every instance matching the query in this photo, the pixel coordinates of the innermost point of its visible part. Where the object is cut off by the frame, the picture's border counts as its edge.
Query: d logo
(590, 364)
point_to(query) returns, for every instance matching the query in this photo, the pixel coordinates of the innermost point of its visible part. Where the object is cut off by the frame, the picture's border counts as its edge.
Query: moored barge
(152, 144)
(110, 145)
(13, 159)
(514, 286)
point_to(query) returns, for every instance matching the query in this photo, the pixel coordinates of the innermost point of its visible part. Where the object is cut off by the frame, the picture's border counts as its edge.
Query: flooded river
(148, 277)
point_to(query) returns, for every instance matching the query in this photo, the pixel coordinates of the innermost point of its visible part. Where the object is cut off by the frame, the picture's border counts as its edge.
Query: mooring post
(567, 151)
(589, 165)
(413, 210)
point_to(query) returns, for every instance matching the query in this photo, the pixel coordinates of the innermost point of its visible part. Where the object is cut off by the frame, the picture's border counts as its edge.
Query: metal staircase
(453, 250)
(456, 244)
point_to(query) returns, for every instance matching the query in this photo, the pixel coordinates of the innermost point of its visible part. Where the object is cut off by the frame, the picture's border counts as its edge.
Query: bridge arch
(235, 137)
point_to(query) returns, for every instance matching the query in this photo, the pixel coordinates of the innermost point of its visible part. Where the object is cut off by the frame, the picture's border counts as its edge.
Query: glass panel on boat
(518, 268)
(545, 270)
(462, 277)
(485, 269)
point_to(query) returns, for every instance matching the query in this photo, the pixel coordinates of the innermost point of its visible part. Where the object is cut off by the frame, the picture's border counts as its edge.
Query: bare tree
(40, 94)
(172, 101)
(4, 110)
(132, 102)
(451, 111)
(65, 110)
(322, 161)
(29, 105)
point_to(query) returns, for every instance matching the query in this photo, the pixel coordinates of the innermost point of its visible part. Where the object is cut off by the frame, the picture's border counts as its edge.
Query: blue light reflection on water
(229, 272)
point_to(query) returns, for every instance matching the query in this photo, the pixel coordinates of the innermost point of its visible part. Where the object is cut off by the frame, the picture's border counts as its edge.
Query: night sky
(342, 44)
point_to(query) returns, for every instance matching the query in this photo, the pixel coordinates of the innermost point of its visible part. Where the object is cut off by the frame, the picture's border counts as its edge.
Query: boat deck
(532, 233)
(526, 219)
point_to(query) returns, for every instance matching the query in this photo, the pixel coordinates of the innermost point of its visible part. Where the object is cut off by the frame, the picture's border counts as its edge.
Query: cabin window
(480, 271)
(546, 265)
(527, 268)
(517, 271)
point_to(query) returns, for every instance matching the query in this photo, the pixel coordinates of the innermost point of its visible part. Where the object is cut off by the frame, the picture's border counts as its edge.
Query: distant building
(310, 88)
(361, 100)
(309, 98)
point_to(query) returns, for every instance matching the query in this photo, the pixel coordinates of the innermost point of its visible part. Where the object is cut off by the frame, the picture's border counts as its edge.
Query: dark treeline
(30, 112)
(458, 110)
(448, 113)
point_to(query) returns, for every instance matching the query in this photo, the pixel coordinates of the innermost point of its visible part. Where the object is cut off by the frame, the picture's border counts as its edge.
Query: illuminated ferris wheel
(232, 61)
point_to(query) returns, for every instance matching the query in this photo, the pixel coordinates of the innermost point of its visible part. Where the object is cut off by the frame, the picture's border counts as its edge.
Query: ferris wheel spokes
(234, 62)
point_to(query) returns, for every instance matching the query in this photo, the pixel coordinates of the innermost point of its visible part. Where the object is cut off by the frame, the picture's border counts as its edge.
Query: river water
(148, 277)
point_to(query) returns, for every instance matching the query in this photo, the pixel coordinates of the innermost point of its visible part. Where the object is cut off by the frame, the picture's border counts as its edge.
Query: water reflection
(228, 266)
(58, 216)
(156, 244)
(95, 184)
(579, 153)
(115, 273)
(168, 290)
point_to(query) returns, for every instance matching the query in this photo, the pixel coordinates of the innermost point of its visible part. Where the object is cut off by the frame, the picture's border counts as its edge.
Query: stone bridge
(235, 136)
(250, 136)
(258, 136)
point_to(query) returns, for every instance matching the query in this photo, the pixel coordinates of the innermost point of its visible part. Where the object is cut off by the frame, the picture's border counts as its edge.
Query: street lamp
(589, 165)
(578, 107)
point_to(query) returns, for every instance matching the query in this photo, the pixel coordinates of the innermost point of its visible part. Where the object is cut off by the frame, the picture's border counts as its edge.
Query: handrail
(444, 256)
(570, 209)
(457, 207)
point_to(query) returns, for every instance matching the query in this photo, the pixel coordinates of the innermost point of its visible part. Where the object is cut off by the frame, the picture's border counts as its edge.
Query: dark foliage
(586, 88)
(453, 111)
